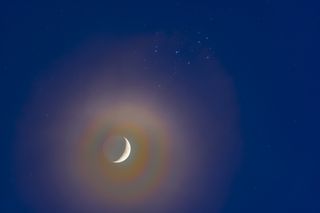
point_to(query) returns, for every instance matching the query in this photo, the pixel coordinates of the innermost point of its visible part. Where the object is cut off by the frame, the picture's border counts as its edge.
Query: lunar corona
(126, 152)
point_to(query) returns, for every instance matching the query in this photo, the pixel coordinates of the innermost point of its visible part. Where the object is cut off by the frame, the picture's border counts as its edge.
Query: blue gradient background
(269, 48)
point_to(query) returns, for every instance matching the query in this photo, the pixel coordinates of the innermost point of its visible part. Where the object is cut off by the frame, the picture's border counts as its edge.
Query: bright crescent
(126, 152)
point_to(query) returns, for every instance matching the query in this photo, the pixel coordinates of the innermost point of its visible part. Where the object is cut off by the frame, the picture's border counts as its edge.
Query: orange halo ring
(135, 179)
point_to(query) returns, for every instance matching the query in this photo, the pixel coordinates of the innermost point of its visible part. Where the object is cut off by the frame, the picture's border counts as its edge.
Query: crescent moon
(126, 152)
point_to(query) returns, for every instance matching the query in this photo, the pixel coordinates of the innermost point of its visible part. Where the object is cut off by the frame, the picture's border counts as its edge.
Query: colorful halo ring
(134, 180)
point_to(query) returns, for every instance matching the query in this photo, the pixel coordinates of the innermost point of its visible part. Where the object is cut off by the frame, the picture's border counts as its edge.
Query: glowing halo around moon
(126, 152)
(177, 130)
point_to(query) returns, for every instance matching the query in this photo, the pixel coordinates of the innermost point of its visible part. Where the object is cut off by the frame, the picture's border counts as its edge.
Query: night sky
(222, 100)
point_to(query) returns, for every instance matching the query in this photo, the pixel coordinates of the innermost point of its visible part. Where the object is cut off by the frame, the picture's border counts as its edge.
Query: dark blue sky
(269, 48)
